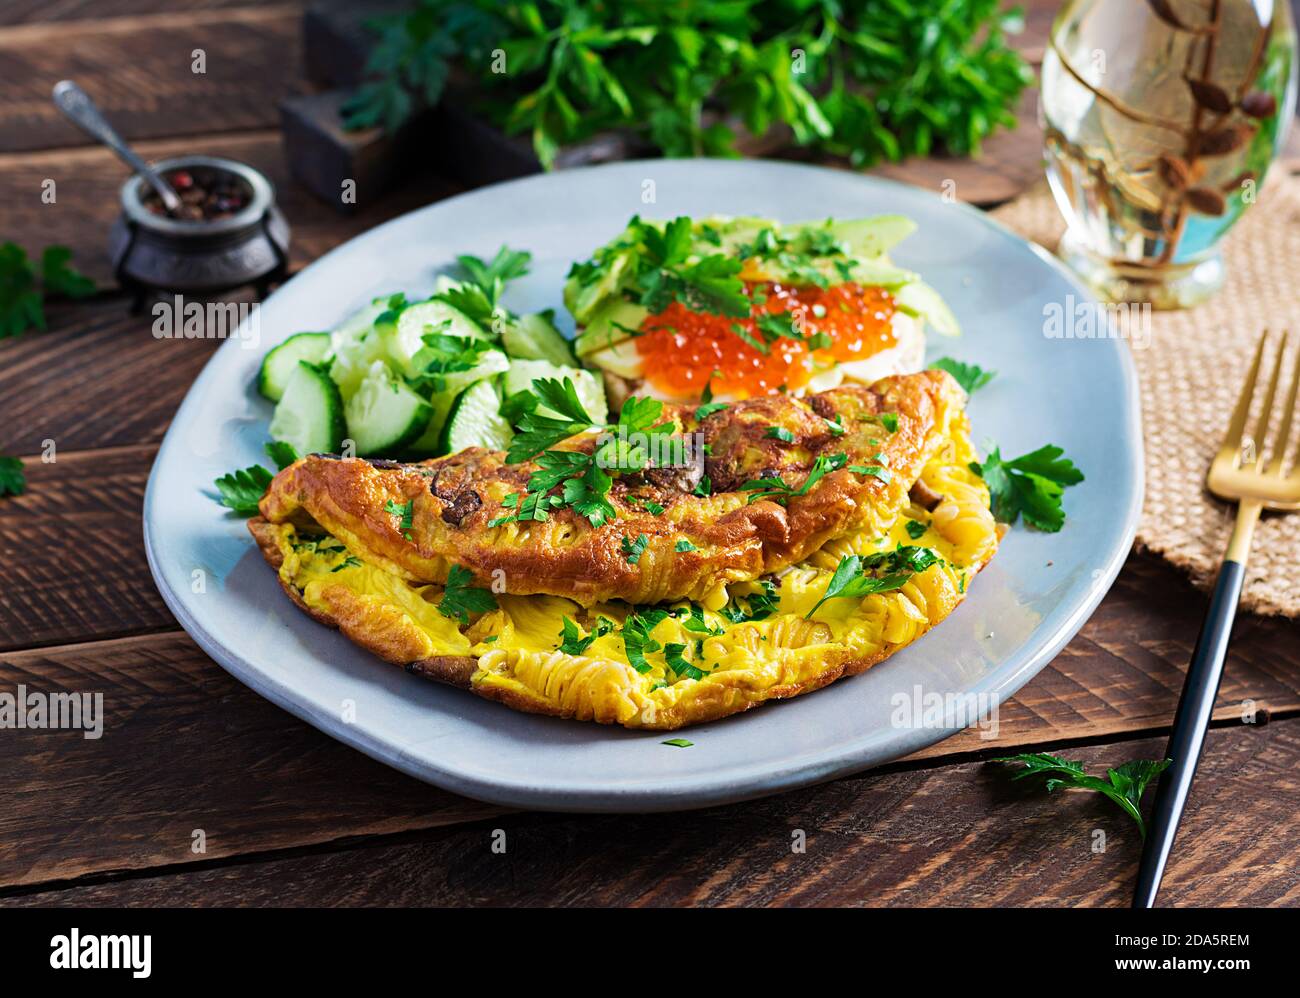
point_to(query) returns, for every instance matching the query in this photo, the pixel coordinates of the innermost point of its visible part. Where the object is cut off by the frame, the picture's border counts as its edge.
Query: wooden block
(323, 155)
(336, 41)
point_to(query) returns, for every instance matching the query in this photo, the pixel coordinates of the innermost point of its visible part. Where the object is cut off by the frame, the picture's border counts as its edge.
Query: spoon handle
(77, 105)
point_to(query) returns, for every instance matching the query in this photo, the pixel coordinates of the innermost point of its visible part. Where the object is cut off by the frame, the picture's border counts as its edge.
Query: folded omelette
(815, 538)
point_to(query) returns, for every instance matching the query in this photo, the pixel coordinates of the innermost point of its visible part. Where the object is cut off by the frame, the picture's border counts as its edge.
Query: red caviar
(682, 349)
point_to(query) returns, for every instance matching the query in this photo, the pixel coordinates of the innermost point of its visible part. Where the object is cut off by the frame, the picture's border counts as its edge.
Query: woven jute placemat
(1190, 371)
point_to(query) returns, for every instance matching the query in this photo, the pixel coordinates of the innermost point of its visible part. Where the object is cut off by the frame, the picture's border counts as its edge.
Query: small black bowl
(153, 252)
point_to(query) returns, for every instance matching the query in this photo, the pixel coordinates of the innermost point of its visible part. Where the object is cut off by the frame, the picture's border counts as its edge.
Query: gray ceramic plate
(1078, 393)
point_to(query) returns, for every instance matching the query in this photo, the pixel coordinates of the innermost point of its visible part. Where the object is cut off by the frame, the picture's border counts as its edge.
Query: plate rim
(697, 790)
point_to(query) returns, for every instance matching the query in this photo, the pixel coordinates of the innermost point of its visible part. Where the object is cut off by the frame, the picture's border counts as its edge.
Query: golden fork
(1237, 475)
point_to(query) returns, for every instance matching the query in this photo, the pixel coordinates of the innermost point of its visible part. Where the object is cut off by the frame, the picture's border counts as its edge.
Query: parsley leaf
(970, 376)
(282, 453)
(405, 512)
(491, 278)
(849, 582)
(242, 490)
(708, 409)
(460, 599)
(1030, 485)
(633, 550)
(637, 642)
(572, 642)
(12, 479)
(915, 529)
(1124, 784)
(21, 300)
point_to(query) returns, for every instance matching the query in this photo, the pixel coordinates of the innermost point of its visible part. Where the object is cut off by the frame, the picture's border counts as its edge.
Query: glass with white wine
(1161, 119)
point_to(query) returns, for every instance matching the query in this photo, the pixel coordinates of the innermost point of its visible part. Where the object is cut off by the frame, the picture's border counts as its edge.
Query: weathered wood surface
(955, 835)
(293, 817)
(141, 71)
(163, 698)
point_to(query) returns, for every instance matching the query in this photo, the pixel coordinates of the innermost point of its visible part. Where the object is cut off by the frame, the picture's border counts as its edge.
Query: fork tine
(1237, 426)
(1288, 417)
(1266, 413)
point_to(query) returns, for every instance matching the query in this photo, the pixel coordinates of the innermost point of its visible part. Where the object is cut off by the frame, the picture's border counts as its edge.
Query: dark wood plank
(74, 553)
(184, 747)
(80, 385)
(38, 11)
(960, 835)
(87, 182)
(164, 698)
(140, 72)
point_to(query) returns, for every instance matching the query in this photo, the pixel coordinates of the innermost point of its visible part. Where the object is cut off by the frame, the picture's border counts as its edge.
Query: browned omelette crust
(454, 499)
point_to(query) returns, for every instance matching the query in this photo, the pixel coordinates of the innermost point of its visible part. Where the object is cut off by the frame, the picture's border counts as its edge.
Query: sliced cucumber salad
(419, 379)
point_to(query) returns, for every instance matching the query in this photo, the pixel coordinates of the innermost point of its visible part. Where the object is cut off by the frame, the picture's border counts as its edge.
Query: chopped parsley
(637, 642)
(633, 550)
(572, 642)
(851, 582)
(405, 513)
(674, 656)
(873, 470)
(889, 420)
(1030, 485)
(775, 488)
(758, 606)
(648, 505)
(460, 599)
(915, 529)
(708, 409)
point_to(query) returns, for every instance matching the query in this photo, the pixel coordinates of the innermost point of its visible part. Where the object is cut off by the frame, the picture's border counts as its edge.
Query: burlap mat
(1190, 375)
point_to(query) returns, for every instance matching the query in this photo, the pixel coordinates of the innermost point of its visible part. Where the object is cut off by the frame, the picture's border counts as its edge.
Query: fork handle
(1190, 725)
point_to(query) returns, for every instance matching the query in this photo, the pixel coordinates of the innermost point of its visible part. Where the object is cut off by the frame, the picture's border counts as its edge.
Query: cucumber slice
(590, 391)
(280, 362)
(534, 337)
(490, 363)
(429, 443)
(353, 359)
(385, 415)
(309, 414)
(359, 322)
(407, 337)
(475, 421)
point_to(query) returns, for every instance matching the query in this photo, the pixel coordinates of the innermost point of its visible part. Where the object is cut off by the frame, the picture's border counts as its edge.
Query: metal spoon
(77, 105)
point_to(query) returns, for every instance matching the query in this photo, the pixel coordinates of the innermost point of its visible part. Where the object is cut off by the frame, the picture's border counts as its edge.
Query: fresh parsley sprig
(850, 581)
(460, 598)
(241, 491)
(22, 299)
(12, 479)
(882, 80)
(971, 377)
(1030, 485)
(1124, 784)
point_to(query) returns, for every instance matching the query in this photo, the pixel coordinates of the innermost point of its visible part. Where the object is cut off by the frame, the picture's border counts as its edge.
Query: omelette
(814, 537)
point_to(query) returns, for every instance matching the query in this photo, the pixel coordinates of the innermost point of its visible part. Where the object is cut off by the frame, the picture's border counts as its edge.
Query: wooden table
(292, 817)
